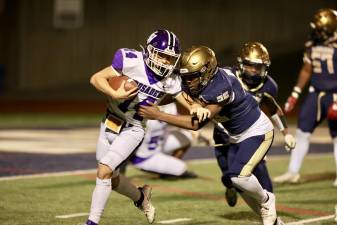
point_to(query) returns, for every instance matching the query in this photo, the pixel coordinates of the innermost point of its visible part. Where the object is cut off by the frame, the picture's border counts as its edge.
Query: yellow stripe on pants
(258, 155)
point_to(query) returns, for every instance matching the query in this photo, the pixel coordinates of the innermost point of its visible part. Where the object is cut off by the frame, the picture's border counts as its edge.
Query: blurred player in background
(250, 131)
(163, 147)
(252, 71)
(319, 66)
(122, 128)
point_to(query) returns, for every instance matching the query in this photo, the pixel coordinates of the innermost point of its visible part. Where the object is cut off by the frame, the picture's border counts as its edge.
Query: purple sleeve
(117, 62)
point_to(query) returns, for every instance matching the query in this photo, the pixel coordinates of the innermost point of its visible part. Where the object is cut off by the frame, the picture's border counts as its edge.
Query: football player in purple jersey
(252, 70)
(122, 128)
(320, 68)
(237, 112)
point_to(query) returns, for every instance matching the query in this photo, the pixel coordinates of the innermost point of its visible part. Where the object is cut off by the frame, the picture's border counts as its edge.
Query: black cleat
(231, 196)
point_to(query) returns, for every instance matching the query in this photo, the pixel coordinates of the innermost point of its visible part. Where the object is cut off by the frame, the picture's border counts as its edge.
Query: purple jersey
(240, 111)
(323, 59)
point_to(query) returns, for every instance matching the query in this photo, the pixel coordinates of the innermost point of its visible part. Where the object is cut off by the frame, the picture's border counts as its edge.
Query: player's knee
(104, 171)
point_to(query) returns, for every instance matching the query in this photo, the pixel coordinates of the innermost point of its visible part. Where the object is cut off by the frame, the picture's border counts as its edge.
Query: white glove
(290, 142)
(201, 113)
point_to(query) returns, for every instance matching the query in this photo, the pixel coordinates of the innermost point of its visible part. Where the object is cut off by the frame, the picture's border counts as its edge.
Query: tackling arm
(183, 121)
(193, 107)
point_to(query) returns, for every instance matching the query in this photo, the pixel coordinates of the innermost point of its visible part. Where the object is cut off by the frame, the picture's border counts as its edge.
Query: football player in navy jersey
(237, 112)
(319, 67)
(252, 71)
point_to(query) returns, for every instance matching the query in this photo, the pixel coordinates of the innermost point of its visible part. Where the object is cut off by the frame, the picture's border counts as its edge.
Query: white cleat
(268, 210)
(146, 207)
(288, 177)
(335, 183)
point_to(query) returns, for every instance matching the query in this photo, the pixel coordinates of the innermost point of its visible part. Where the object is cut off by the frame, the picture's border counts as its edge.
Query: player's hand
(290, 142)
(200, 112)
(290, 104)
(150, 112)
(121, 94)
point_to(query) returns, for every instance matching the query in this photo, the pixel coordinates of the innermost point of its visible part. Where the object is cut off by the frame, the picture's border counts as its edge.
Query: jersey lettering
(322, 56)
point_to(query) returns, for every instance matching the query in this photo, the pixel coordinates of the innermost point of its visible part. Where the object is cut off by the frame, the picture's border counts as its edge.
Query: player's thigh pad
(120, 146)
(163, 164)
(248, 153)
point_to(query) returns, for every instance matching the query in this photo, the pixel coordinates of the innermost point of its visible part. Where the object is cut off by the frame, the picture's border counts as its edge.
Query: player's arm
(303, 78)
(279, 119)
(192, 106)
(152, 112)
(100, 81)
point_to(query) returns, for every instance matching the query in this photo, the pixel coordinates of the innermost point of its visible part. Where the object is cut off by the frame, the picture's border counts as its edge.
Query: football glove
(290, 142)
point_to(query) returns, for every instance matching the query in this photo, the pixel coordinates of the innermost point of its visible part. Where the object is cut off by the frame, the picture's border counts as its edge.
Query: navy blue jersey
(323, 59)
(239, 110)
(269, 86)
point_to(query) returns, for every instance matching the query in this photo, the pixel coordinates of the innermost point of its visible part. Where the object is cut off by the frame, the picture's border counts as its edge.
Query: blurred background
(50, 48)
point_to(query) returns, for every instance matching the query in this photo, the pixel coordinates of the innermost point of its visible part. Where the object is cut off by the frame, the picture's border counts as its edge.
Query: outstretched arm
(193, 107)
(183, 121)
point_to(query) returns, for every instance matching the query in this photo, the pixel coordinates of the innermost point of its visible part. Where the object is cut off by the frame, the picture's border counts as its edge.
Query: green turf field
(36, 201)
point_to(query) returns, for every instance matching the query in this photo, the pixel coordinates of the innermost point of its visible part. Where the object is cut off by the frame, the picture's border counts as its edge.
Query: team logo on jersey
(149, 91)
(223, 97)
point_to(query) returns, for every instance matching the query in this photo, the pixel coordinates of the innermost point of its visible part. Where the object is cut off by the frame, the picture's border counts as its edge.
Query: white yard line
(54, 174)
(71, 215)
(174, 220)
(300, 222)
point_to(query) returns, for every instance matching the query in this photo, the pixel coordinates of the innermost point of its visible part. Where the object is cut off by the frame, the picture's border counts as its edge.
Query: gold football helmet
(197, 67)
(323, 25)
(253, 63)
